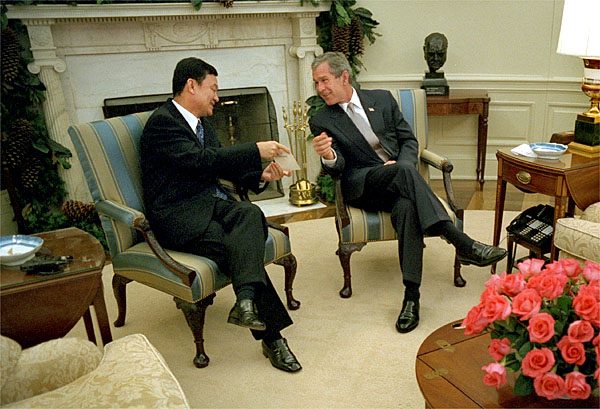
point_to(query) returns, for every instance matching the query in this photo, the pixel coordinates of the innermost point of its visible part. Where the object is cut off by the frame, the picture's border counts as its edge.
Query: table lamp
(580, 36)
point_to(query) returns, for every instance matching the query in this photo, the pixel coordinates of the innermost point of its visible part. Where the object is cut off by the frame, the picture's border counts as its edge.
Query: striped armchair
(108, 152)
(357, 227)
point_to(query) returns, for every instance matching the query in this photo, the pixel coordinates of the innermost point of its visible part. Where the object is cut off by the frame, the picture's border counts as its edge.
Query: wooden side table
(448, 369)
(37, 308)
(570, 177)
(466, 102)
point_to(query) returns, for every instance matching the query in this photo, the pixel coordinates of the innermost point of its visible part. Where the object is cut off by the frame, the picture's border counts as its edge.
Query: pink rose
(512, 284)
(586, 305)
(549, 386)
(572, 352)
(580, 331)
(496, 307)
(548, 285)
(541, 327)
(499, 348)
(526, 303)
(591, 271)
(576, 387)
(570, 267)
(494, 282)
(489, 291)
(495, 376)
(475, 321)
(597, 373)
(530, 267)
(537, 362)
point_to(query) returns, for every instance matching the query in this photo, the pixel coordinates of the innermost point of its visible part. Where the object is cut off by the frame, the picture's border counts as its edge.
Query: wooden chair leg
(289, 264)
(459, 281)
(344, 252)
(194, 315)
(119, 290)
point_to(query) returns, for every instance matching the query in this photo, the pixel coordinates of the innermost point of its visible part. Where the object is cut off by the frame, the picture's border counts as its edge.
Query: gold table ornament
(302, 192)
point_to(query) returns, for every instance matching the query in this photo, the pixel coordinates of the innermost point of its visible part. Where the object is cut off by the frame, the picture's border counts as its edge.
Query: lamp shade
(580, 29)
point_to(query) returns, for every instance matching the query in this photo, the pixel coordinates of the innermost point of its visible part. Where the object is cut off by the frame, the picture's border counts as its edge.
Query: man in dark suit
(363, 138)
(182, 160)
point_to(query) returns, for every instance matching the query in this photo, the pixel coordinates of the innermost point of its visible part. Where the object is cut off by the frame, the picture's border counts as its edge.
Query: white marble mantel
(87, 53)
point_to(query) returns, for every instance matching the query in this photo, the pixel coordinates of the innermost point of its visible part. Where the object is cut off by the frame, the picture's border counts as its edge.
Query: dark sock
(411, 291)
(271, 336)
(460, 240)
(245, 292)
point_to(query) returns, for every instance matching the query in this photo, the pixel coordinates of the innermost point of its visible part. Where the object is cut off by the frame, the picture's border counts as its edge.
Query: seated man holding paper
(182, 161)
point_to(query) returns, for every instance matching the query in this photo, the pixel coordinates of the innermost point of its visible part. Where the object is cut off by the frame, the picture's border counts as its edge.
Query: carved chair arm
(445, 165)
(137, 220)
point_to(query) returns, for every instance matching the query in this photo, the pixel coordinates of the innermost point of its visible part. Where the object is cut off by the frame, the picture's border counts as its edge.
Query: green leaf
(525, 348)
(523, 386)
(197, 4)
(342, 14)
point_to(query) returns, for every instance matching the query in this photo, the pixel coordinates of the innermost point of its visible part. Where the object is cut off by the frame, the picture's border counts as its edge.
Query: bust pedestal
(435, 83)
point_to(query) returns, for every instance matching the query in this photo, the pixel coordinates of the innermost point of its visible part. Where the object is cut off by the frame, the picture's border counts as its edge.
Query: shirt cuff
(329, 162)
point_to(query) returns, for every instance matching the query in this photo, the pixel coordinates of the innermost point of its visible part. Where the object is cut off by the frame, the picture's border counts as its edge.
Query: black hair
(191, 67)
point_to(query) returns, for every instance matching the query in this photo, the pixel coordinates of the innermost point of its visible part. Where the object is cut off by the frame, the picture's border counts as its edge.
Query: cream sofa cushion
(131, 374)
(579, 237)
(9, 356)
(50, 365)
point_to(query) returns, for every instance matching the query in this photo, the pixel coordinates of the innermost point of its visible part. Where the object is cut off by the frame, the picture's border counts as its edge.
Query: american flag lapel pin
(371, 110)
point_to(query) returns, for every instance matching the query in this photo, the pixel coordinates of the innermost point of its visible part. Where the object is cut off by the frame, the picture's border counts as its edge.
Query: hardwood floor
(467, 194)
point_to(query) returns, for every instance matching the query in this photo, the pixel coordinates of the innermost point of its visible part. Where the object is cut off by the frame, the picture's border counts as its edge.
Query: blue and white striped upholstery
(108, 152)
(377, 226)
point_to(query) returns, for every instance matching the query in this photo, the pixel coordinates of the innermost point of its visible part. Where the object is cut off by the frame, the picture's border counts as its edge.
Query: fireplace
(89, 53)
(241, 115)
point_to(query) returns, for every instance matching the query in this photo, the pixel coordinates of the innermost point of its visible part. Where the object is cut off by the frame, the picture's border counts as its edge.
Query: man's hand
(274, 172)
(270, 149)
(322, 146)
(389, 162)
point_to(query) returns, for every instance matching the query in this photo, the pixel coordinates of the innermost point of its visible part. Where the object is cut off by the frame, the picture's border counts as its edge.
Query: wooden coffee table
(37, 308)
(448, 369)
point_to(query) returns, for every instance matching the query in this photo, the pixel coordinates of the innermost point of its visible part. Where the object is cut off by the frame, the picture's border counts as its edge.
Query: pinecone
(30, 174)
(227, 3)
(356, 45)
(18, 142)
(77, 210)
(11, 55)
(340, 37)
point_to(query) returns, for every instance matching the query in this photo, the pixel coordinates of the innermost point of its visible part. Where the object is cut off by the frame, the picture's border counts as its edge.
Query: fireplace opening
(241, 115)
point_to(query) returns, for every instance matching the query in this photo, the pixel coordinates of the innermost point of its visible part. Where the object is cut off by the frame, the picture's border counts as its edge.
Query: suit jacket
(355, 157)
(180, 176)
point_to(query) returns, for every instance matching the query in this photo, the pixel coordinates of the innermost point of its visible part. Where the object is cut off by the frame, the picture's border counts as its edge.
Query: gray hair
(337, 63)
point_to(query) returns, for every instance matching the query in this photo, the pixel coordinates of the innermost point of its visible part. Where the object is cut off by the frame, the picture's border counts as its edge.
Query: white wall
(507, 47)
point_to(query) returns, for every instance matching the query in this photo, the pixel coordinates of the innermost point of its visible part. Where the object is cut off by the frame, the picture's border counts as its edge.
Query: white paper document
(287, 161)
(524, 150)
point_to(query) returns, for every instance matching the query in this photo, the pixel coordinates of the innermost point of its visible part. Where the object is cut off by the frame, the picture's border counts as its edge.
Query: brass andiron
(230, 126)
(302, 192)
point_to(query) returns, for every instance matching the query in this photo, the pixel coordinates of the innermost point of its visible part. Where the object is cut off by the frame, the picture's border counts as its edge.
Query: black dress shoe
(482, 255)
(245, 315)
(280, 355)
(409, 317)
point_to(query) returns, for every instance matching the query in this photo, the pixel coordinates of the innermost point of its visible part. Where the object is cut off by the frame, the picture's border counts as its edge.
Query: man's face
(435, 54)
(332, 89)
(205, 95)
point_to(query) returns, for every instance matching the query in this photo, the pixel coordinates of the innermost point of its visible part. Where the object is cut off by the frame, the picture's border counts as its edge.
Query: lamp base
(587, 130)
(302, 193)
(584, 150)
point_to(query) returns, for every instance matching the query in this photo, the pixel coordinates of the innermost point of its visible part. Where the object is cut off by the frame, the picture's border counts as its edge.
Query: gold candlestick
(302, 192)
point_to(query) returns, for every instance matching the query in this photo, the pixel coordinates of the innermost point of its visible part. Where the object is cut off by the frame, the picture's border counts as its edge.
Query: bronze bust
(435, 48)
(434, 83)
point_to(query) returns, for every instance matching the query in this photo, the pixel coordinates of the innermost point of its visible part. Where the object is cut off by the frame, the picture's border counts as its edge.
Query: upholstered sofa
(73, 373)
(579, 237)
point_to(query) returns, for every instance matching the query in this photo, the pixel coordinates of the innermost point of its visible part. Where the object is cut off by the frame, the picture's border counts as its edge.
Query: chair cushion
(48, 366)
(10, 351)
(208, 278)
(578, 237)
(368, 226)
(592, 213)
(132, 374)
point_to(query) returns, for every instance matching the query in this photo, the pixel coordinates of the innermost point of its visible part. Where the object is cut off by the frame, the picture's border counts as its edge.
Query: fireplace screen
(241, 115)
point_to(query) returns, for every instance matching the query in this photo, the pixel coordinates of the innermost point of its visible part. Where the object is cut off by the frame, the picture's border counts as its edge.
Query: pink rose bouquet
(544, 322)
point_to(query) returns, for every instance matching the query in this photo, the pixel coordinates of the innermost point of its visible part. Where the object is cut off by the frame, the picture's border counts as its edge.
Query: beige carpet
(351, 353)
